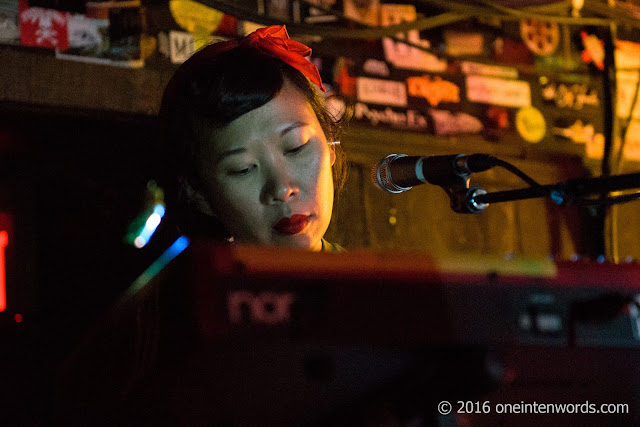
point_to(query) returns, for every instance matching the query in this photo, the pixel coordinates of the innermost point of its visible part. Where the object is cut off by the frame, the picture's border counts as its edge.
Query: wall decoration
(577, 132)
(364, 11)
(401, 55)
(448, 123)
(318, 15)
(593, 52)
(376, 67)
(507, 93)
(195, 17)
(571, 96)
(459, 43)
(9, 22)
(541, 37)
(88, 36)
(408, 119)
(343, 76)
(43, 27)
(530, 124)
(278, 9)
(434, 89)
(510, 51)
(627, 84)
(488, 70)
(632, 142)
(385, 92)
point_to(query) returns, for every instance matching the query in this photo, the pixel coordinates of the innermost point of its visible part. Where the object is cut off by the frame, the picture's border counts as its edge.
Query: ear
(332, 154)
(196, 199)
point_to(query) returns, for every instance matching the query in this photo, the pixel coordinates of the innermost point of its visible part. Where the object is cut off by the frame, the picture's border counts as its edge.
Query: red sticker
(43, 27)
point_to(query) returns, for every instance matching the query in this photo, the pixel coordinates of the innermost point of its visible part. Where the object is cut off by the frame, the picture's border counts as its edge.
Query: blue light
(169, 254)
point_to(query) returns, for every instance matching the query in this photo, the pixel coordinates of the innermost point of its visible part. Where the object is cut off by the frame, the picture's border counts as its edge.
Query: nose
(279, 185)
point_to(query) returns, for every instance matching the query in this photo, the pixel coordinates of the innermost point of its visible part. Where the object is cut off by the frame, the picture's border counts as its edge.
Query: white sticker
(507, 93)
(181, 46)
(401, 55)
(385, 92)
(489, 70)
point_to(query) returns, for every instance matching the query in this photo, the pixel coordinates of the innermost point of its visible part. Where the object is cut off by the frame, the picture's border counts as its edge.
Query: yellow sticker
(195, 17)
(530, 124)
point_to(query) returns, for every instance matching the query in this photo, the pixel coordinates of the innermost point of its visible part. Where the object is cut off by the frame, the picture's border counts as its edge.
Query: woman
(250, 144)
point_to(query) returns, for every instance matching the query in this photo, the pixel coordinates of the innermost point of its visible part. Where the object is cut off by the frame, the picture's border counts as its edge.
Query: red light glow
(18, 318)
(4, 241)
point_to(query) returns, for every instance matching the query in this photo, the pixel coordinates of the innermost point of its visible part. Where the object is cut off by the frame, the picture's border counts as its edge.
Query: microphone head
(382, 178)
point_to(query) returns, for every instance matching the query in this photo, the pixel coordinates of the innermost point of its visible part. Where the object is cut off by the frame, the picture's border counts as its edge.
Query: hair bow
(274, 41)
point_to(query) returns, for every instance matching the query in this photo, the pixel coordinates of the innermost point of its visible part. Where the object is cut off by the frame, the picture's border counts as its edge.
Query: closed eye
(296, 149)
(242, 172)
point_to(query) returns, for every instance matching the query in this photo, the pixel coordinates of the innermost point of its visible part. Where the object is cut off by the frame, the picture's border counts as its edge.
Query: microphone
(398, 172)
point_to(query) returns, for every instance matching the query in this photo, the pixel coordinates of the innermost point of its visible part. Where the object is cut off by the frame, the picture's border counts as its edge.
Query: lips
(293, 225)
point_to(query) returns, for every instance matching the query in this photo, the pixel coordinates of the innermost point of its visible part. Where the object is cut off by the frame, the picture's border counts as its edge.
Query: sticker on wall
(385, 92)
(570, 96)
(9, 22)
(530, 124)
(363, 11)
(343, 78)
(433, 89)
(195, 17)
(490, 90)
(464, 43)
(376, 67)
(632, 142)
(496, 122)
(43, 27)
(593, 52)
(448, 123)
(319, 14)
(627, 82)
(577, 132)
(541, 37)
(401, 55)
(88, 36)
(476, 68)
(409, 119)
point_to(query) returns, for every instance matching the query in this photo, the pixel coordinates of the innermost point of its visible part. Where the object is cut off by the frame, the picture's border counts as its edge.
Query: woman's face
(267, 174)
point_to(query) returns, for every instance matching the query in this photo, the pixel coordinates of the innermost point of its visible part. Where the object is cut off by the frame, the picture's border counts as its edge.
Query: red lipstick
(293, 225)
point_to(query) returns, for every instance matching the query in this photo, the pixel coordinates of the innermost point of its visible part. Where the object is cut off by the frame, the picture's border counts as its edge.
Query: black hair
(207, 93)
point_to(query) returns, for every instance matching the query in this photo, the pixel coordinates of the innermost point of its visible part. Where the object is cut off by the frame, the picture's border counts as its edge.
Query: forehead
(265, 123)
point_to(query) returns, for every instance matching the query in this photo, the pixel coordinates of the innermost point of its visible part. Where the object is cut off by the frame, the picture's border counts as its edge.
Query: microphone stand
(475, 199)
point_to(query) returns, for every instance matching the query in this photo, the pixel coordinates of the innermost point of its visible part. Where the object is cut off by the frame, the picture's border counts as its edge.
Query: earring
(334, 143)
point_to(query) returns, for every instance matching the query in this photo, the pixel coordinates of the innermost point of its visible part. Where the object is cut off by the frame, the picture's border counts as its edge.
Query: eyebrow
(240, 150)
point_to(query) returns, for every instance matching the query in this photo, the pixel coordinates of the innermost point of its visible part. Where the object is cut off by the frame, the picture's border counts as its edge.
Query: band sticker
(433, 89)
(571, 96)
(385, 92)
(365, 12)
(530, 124)
(376, 67)
(448, 123)
(464, 43)
(593, 50)
(43, 27)
(632, 142)
(507, 93)
(578, 132)
(401, 55)
(489, 70)
(627, 82)
(410, 119)
(541, 37)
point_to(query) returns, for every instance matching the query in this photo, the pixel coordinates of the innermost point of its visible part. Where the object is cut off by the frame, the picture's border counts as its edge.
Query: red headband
(274, 41)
